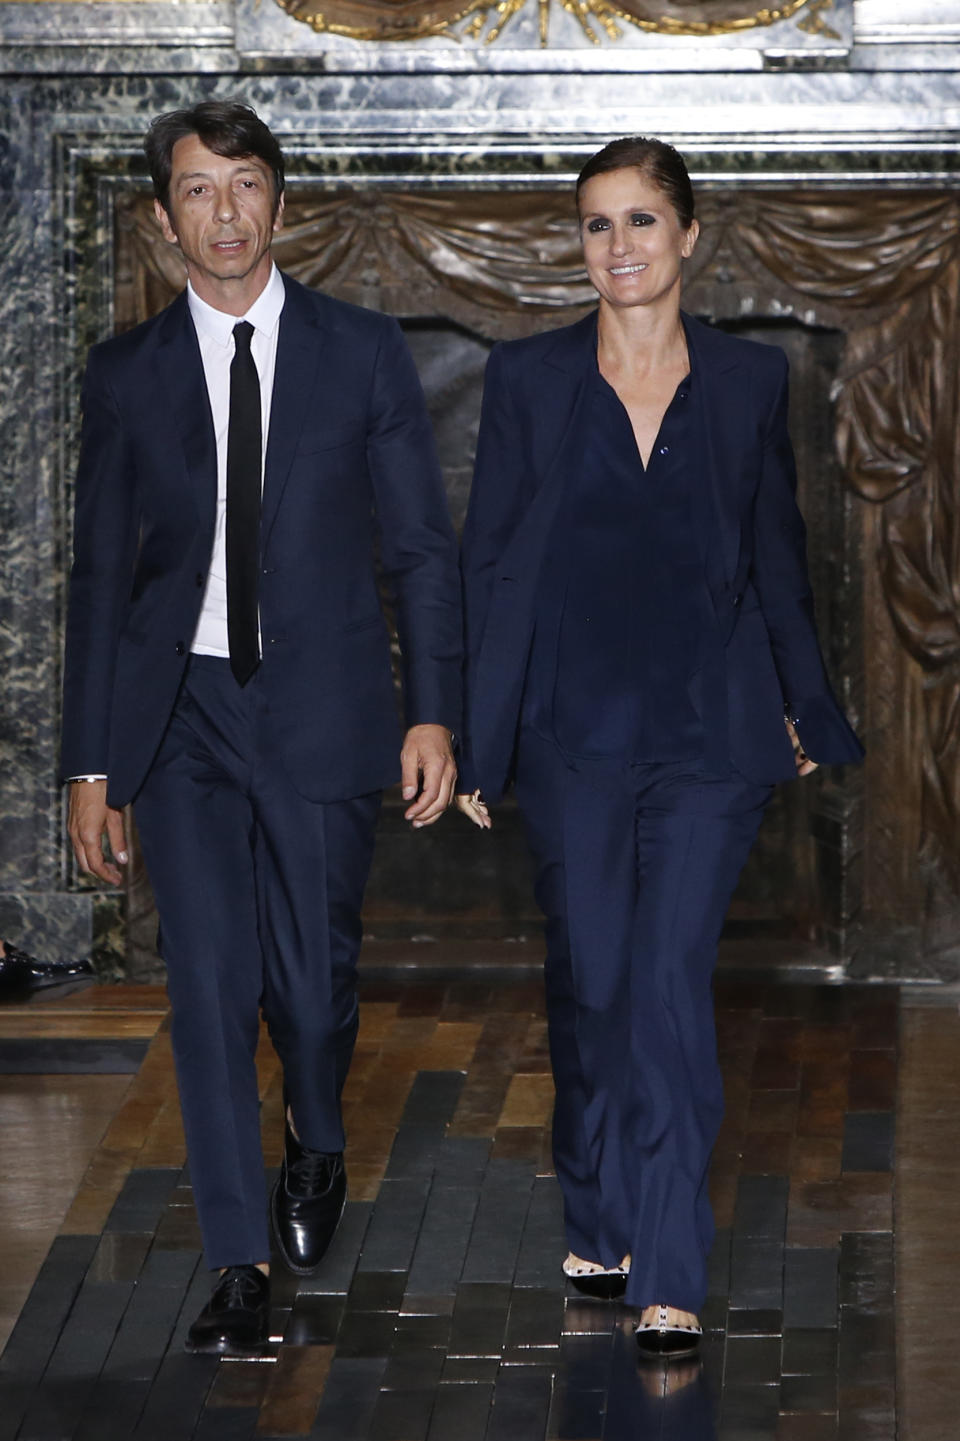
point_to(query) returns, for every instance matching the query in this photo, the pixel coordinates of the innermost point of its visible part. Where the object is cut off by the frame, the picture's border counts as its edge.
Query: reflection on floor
(441, 1311)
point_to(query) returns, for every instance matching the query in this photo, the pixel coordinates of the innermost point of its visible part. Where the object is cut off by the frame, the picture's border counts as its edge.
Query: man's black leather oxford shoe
(22, 974)
(307, 1203)
(234, 1320)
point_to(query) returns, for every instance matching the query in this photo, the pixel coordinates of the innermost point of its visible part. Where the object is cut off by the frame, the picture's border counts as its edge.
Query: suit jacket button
(200, 578)
(737, 599)
(181, 648)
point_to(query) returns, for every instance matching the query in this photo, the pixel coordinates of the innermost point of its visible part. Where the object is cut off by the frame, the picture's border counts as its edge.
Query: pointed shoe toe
(660, 1341)
(599, 1283)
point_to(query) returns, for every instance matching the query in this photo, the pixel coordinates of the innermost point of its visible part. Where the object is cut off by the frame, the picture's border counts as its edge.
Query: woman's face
(633, 244)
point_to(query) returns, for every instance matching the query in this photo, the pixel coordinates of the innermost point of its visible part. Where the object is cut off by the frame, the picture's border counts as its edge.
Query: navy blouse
(624, 615)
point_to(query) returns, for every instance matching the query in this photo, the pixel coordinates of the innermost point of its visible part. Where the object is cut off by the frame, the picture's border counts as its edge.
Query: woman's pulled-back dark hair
(227, 127)
(656, 160)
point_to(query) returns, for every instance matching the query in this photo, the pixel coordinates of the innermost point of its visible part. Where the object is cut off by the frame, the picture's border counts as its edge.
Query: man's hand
(427, 766)
(805, 766)
(89, 817)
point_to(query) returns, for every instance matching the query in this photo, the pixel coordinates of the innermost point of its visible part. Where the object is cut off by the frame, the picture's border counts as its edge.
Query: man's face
(221, 215)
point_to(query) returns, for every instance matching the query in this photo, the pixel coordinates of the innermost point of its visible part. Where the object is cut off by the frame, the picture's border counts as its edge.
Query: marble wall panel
(129, 37)
(29, 539)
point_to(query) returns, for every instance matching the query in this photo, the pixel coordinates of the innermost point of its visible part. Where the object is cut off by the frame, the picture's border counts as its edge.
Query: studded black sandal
(604, 1284)
(659, 1341)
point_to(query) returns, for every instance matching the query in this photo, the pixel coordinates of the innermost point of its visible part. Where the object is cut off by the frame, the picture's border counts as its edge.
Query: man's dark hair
(656, 160)
(227, 127)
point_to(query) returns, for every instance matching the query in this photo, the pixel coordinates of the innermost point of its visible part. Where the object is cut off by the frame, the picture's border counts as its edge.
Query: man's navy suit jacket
(752, 540)
(350, 468)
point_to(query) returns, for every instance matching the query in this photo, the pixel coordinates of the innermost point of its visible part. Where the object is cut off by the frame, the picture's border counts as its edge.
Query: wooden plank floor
(441, 1311)
(927, 1207)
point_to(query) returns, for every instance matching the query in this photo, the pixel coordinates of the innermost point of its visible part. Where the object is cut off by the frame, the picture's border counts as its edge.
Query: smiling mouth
(627, 269)
(228, 244)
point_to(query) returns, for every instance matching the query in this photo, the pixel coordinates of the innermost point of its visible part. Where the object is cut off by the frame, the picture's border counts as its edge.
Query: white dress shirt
(215, 334)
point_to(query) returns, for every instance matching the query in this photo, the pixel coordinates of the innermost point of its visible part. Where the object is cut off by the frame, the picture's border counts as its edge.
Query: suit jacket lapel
(710, 361)
(298, 358)
(574, 355)
(181, 377)
(561, 390)
(564, 371)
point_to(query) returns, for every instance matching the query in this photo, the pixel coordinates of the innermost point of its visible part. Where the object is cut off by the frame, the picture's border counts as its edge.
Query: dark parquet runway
(441, 1313)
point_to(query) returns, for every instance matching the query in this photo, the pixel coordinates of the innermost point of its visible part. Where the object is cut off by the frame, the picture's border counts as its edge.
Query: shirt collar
(263, 314)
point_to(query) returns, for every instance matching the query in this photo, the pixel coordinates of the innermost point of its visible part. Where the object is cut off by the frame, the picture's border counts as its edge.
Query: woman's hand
(474, 807)
(805, 766)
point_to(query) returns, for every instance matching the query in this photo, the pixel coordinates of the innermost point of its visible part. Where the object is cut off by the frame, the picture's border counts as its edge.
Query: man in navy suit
(244, 455)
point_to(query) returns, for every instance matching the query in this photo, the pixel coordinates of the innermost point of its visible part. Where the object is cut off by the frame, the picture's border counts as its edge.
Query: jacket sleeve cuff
(466, 775)
(824, 731)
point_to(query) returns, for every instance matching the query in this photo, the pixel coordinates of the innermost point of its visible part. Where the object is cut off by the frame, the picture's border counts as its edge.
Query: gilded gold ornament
(488, 19)
(706, 17)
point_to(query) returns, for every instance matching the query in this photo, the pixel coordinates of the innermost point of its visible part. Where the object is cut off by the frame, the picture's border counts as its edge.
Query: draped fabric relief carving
(883, 267)
(503, 264)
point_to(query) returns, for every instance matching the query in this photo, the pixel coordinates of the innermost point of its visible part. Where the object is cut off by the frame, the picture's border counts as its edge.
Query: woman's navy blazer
(752, 536)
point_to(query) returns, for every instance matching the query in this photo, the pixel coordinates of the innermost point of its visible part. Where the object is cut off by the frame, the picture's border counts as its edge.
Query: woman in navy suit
(642, 661)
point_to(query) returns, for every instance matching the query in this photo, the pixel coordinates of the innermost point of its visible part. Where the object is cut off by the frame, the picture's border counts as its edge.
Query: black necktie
(243, 507)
